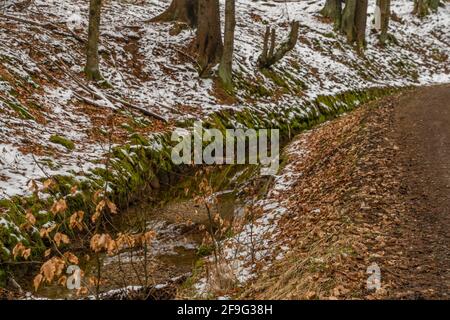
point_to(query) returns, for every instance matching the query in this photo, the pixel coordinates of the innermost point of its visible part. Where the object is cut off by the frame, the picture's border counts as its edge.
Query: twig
(107, 96)
(20, 262)
(49, 26)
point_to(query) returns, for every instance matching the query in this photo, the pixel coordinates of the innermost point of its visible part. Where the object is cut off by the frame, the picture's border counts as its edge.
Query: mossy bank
(144, 166)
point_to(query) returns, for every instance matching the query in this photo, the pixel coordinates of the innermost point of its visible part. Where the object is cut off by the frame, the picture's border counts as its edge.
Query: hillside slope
(41, 61)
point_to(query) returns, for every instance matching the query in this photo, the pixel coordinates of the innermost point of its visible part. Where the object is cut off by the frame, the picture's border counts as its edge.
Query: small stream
(173, 253)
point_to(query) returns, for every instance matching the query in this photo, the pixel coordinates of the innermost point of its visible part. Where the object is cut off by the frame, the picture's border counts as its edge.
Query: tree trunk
(382, 19)
(270, 55)
(434, 4)
(209, 38)
(92, 69)
(422, 7)
(225, 67)
(333, 10)
(361, 22)
(185, 11)
(348, 20)
(354, 20)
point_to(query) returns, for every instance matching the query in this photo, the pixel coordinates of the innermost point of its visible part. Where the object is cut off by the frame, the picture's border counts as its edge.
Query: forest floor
(373, 186)
(48, 129)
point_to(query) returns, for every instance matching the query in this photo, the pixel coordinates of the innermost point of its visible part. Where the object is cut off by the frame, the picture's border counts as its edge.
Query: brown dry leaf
(149, 235)
(82, 291)
(52, 268)
(112, 207)
(95, 216)
(59, 206)
(37, 281)
(76, 220)
(21, 250)
(100, 242)
(59, 265)
(125, 240)
(30, 218)
(94, 281)
(44, 232)
(48, 270)
(65, 239)
(111, 246)
(62, 280)
(18, 249)
(26, 253)
(47, 252)
(61, 237)
(71, 257)
(47, 184)
(98, 210)
(73, 190)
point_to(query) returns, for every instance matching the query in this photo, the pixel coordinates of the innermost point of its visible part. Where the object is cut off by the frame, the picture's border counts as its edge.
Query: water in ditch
(173, 253)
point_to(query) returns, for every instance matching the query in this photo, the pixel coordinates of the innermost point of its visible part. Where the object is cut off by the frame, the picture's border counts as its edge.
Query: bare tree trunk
(361, 22)
(348, 20)
(92, 69)
(422, 8)
(354, 20)
(270, 55)
(226, 62)
(209, 38)
(384, 12)
(434, 4)
(333, 10)
(180, 10)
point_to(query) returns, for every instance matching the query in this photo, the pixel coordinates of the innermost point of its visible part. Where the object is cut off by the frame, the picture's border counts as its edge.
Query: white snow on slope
(143, 63)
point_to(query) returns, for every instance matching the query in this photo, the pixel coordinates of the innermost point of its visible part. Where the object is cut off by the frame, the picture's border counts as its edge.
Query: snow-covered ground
(143, 64)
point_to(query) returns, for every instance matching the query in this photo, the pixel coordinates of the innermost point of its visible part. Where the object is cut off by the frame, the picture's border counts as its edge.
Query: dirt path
(373, 187)
(422, 133)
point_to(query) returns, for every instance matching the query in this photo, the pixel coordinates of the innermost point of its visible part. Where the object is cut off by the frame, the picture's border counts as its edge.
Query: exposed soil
(375, 188)
(422, 131)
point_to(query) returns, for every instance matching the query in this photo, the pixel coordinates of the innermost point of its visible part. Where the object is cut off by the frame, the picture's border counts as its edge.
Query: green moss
(68, 144)
(127, 127)
(204, 250)
(276, 78)
(253, 88)
(132, 166)
(21, 110)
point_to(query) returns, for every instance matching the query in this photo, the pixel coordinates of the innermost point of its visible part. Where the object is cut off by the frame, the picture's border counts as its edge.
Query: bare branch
(265, 60)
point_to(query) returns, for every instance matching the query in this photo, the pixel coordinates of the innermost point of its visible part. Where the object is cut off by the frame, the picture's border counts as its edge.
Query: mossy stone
(68, 144)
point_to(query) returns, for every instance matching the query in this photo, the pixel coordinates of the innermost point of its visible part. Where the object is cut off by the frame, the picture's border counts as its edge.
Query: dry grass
(337, 219)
